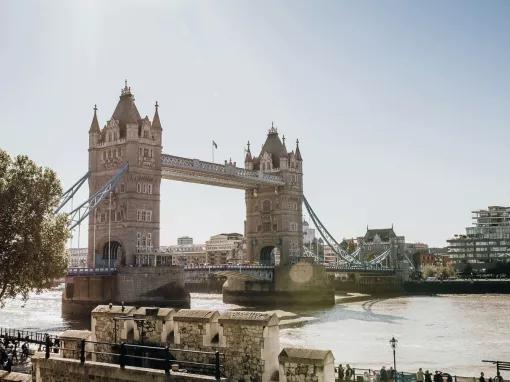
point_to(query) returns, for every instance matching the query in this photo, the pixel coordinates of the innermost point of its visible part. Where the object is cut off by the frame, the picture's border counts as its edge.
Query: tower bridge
(126, 166)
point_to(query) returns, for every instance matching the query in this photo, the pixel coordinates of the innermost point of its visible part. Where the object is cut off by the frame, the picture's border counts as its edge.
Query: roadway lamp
(393, 344)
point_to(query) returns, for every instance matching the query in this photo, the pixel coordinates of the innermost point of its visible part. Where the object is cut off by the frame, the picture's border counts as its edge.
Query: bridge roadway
(254, 272)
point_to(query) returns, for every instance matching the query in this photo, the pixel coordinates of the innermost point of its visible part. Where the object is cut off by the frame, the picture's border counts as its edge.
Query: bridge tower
(126, 222)
(274, 214)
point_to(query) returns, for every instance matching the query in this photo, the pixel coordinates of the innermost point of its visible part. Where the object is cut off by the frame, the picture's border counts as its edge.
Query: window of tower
(139, 188)
(149, 188)
(266, 206)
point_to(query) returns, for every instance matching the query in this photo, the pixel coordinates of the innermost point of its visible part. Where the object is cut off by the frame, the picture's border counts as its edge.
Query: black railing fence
(373, 375)
(154, 357)
(123, 354)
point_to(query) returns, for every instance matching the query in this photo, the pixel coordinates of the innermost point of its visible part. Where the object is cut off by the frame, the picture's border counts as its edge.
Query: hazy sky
(402, 108)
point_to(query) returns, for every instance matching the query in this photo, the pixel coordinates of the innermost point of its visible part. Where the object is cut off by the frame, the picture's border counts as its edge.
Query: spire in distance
(94, 126)
(156, 123)
(298, 152)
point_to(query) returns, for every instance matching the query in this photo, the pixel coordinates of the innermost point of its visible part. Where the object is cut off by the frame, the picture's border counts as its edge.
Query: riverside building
(487, 241)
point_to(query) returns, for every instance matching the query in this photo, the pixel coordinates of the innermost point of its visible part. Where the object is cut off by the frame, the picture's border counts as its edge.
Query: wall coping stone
(75, 334)
(164, 313)
(14, 377)
(249, 318)
(115, 309)
(305, 356)
(196, 315)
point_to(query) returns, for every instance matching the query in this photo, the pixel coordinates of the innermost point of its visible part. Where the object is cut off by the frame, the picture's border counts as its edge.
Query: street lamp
(393, 343)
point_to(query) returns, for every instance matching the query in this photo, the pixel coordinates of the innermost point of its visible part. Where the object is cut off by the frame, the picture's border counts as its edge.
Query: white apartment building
(77, 257)
(225, 248)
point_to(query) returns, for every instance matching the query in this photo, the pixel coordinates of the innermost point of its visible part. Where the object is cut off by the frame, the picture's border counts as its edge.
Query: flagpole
(212, 150)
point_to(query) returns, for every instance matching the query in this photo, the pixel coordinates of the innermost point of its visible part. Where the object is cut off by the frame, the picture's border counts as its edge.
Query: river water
(452, 333)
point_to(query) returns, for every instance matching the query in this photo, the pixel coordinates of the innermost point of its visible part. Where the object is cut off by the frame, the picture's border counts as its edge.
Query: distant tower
(129, 224)
(274, 215)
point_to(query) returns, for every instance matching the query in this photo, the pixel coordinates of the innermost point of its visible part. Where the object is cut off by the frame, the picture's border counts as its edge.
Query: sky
(402, 108)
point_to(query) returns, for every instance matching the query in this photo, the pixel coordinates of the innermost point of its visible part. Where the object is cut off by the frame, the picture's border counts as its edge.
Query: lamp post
(393, 343)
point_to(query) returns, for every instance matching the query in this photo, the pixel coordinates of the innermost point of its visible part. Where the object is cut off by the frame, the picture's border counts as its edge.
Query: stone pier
(303, 283)
(161, 286)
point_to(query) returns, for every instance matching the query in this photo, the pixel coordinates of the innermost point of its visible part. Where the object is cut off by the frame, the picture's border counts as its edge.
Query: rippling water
(451, 333)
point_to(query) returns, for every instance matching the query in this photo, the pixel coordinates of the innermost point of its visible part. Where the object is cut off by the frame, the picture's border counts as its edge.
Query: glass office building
(487, 241)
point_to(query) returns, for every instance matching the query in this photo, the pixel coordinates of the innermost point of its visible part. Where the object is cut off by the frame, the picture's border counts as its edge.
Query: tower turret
(94, 131)
(248, 160)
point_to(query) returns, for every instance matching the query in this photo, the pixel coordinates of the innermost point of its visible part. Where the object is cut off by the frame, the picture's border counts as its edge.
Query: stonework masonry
(128, 222)
(70, 370)
(249, 341)
(306, 365)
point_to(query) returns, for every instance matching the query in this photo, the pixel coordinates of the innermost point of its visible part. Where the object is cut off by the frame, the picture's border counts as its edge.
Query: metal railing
(123, 354)
(215, 168)
(154, 357)
(372, 375)
(228, 267)
(91, 271)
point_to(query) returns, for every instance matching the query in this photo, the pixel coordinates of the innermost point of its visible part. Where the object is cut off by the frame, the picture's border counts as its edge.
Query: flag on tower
(214, 145)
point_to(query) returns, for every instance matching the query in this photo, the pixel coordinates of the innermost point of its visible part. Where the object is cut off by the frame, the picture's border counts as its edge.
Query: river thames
(452, 333)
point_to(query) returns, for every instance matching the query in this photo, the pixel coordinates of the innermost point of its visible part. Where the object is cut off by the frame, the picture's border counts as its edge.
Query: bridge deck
(228, 175)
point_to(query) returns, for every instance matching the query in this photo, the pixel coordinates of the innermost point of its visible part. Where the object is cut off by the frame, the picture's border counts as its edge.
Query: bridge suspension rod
(328, 238)
(380, 258)
(83, 210)
(68, 195)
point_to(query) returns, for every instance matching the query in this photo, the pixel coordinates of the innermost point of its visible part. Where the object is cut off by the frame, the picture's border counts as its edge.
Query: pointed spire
(156, 123)
(298, 153)
(94, 126)
(248, 157)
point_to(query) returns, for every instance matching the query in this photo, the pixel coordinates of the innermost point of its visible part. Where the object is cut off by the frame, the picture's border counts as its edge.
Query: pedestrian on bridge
(482, 377)
(420, 376)
(428, 376)
(341, 373)
(384, 374)
(348, 372)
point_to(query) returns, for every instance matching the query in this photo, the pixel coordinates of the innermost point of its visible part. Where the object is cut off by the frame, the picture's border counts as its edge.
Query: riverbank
(461, 329)
(476, 286)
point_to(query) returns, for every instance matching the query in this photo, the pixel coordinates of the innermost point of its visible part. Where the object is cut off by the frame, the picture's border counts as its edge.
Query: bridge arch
(267, 255)
(115, 251)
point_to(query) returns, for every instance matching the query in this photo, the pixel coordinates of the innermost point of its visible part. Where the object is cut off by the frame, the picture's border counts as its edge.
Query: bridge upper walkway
(262, 270)
(227, 175)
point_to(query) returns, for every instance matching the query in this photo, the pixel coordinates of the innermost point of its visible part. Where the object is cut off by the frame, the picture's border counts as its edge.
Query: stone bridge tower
(274, 215)
(127, 222)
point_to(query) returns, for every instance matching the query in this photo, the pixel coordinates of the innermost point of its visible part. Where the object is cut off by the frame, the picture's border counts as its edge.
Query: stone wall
(306, 365)
(252, 342)
(107, 326)
(57, 369)
(5, 376)
(249, 341)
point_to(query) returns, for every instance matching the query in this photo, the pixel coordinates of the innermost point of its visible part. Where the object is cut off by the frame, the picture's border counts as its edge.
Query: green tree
(32, 238)
(428, 271)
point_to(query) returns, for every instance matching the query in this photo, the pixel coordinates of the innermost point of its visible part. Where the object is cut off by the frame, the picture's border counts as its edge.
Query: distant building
(186, 254)
(376, 241)
(486, 242)
(77, 257)
(329, 255)
(308, 233)
(184, 240)
(225, 248)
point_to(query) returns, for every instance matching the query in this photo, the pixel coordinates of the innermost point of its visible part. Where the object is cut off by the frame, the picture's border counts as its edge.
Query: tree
(32, 238)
